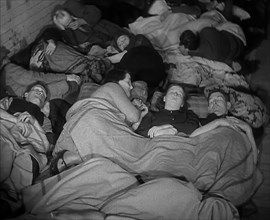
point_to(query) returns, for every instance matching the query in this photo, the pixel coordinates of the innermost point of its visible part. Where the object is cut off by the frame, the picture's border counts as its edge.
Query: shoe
(70, 160)
(54, 170)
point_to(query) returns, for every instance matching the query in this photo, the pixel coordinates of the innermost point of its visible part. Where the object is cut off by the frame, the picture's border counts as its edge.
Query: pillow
(245, 106)
(198, 104)
(248, 107)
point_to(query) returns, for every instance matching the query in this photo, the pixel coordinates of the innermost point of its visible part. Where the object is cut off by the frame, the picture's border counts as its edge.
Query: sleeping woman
(96, 122)
(117, 90)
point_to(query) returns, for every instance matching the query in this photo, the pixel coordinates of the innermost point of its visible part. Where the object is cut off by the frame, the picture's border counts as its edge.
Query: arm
(243, 126)
(117, 97)
(162, 130)
(144, 110)
(210, 126)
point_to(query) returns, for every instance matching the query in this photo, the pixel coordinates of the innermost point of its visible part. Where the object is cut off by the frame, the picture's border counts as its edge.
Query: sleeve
(51, 34)
(145, 125)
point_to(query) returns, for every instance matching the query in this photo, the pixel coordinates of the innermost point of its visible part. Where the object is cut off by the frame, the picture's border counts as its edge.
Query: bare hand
(144, 110)
(25, 117)
(75, 78)
(76, 23)
(25, 128)
(5, 103)
(161, 130)
(50, 48)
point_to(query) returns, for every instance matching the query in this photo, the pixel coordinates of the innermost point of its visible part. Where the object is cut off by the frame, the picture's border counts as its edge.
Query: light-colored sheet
(99, 186)
(219, 161)
(16, 164)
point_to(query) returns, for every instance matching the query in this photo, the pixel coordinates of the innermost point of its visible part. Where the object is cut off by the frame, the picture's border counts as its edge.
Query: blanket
(16, 151)
(218, 161)
(101, 189)
(66, 59)
(164, 32)
(200, 72)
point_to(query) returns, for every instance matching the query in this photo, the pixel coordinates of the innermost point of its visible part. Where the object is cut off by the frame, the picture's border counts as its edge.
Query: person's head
(174, 97)
(63, 17)
(37, 93)
(189, 40)
(122, 42)
(121, 77)
(218, 103)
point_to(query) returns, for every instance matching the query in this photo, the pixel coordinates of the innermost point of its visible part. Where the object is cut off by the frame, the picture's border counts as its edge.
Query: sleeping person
(174, 118)
(218, 106)
(117, 90)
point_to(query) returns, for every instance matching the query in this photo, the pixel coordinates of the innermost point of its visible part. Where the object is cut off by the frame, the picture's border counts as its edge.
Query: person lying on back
(174, 118)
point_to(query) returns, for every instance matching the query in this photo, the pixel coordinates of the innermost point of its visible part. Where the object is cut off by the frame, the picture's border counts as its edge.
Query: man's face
(37, 95)
(174, 98)
(217, 104)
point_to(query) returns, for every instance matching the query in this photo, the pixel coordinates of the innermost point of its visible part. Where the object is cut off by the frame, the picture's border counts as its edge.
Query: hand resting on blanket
(233, 123)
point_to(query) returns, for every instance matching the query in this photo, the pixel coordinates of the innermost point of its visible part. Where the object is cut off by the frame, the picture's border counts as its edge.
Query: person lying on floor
(34, 105)
(116, 89)
(218, 106)
(77, 33)
(174, 118)
(85, 29)
(224, 42)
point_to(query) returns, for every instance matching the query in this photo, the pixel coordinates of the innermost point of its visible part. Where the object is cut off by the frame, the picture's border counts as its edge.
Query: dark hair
(226, 95)
(115, 75)
(190, 40)
(39, 83)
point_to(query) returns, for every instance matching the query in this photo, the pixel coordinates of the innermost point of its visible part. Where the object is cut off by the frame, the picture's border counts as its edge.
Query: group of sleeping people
(174, 119)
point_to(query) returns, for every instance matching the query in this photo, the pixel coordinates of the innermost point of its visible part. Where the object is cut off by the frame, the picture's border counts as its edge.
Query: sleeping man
(217, 40)
(174, 118)
(218, 106)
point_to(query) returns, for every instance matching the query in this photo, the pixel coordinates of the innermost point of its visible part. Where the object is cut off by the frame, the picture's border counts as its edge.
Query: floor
(260, 80)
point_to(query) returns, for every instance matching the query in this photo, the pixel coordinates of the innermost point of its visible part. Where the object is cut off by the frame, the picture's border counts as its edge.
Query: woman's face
(174, 98)
(126, 84)
(122, 42)
(63, 17)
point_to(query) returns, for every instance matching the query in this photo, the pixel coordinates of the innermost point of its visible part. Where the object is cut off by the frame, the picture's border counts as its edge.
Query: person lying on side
(218, 107)
(223, 42)
(174, 118)
(116, 90)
